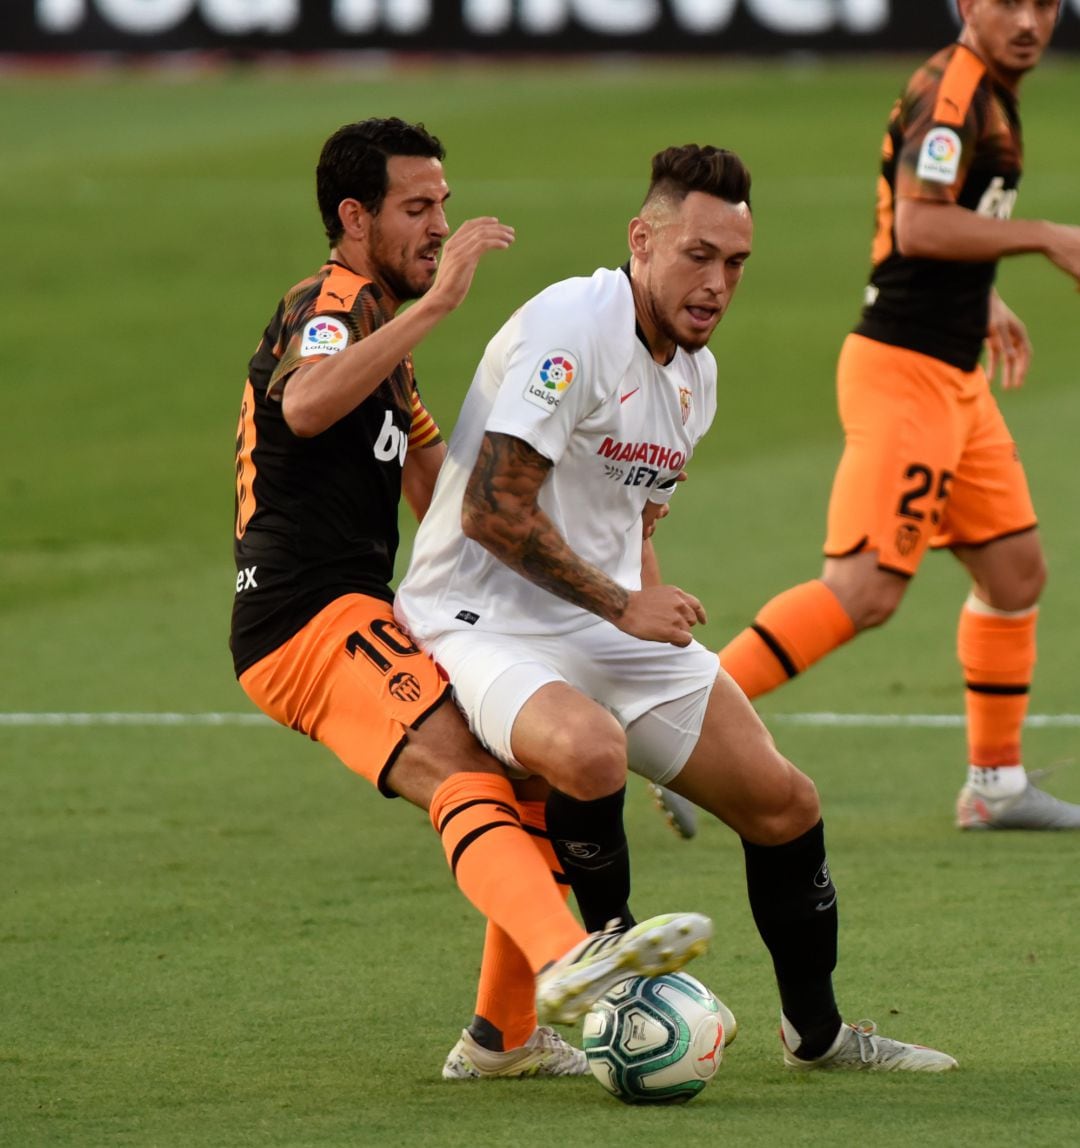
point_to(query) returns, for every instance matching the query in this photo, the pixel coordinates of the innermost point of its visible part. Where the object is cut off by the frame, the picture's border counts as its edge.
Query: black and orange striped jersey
(953, 137)
(317, 517)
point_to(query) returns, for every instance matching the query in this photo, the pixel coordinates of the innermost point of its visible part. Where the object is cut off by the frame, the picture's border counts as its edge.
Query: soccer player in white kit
(526, 586)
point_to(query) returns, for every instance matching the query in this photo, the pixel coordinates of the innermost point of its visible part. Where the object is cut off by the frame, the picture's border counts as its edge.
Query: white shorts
(656, 691)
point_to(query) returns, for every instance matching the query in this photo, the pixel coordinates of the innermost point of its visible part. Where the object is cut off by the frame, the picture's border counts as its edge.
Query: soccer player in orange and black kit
(331, 433)
(928, 459)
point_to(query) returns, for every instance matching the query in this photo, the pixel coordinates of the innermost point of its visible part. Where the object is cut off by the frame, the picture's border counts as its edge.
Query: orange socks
(792, 631)
(997, 651)
(505, 995)
(498, 867)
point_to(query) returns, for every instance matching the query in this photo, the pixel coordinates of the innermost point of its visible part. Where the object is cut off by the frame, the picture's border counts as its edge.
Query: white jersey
(569, 374)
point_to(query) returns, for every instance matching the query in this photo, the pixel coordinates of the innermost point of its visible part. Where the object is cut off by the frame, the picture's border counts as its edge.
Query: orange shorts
(352, 680)
(928, 459)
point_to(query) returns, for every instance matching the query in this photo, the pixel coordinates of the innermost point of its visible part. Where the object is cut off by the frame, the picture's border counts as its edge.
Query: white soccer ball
(656, 1040)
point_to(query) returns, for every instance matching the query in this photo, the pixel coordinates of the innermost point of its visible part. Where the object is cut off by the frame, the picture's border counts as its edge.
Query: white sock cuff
(997, 781)
(978, 606)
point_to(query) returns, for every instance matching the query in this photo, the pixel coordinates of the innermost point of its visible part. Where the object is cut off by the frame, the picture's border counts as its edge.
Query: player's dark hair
(353, 164)
(677, 171)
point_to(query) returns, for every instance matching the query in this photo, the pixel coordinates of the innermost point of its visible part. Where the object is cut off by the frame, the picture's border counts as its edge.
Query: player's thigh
(571, 740)
(868, 594)
(494, 676)
(441, 746)
(631, 676)
(736, 772)
(557, 705)
(353, 681)
(656, 691)
(662, 739)
(904, 431)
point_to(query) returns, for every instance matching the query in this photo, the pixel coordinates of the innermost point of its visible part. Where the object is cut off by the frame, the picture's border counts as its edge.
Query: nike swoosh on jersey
(623, 398)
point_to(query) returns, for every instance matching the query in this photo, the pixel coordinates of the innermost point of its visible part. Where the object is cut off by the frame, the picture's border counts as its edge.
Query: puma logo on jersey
(342, 299)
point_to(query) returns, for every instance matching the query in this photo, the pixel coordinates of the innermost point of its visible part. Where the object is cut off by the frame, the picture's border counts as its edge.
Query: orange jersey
(316, 518)
(953, 137)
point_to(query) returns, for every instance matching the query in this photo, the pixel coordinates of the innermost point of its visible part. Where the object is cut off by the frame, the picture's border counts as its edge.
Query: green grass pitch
(214, 935)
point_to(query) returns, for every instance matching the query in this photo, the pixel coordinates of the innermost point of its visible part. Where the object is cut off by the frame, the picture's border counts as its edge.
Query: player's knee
(1017, 587)
(1030, 583)
(791, 808)
(869, 595)
(444, 745)
(586, 759)
(876, 607)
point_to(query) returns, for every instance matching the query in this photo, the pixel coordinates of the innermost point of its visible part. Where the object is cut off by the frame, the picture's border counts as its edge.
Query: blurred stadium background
(491, 27)
(209, 932)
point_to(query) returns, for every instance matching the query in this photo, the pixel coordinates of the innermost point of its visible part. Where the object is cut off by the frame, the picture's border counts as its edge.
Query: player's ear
(354, 217)
(640, 233)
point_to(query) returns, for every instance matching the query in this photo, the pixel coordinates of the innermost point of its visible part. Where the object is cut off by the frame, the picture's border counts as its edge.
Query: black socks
(794, 905)
(590, 843)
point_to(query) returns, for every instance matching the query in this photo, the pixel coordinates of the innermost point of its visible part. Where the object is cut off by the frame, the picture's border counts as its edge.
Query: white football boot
(858, 1046)
(545, 1053)
(566, 989)
(1031, 808)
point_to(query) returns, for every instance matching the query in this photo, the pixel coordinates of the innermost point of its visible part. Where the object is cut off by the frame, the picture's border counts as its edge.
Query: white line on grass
(919, 721)
(136, 719)
(851, 721)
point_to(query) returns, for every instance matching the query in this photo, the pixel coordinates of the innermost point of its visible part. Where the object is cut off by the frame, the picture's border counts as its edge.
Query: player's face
(406, 235)
(687, 265)
(1010, 35)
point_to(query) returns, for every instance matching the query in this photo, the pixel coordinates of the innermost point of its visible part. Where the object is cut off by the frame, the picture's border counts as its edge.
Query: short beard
(394, 281)
(669, 332)
(400, 287)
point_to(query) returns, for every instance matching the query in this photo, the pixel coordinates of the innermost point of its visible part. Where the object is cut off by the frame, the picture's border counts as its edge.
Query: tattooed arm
(502, 513)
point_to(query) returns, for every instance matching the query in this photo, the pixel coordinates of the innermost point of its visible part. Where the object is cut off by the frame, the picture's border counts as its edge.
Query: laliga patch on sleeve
(939, 158)
(323, 335)
(553, 377)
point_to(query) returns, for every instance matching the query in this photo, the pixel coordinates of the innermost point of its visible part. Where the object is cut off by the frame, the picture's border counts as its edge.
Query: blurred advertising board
(487, 27)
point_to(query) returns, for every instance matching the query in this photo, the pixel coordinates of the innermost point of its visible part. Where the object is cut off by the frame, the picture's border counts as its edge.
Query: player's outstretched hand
(462, 252)
(662, 614)
(1007, 345)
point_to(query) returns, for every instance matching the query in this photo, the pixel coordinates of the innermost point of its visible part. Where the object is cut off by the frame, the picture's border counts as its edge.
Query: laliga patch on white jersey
(553, 377)
(323, 335)
(939, 159)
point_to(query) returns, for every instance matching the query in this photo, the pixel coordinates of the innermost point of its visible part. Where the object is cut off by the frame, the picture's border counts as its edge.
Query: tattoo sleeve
(501, 512)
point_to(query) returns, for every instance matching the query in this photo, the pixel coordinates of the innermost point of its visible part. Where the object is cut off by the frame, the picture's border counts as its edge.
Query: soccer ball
(656, 1040)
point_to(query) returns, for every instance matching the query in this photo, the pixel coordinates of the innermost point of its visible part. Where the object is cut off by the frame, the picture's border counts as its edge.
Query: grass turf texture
(220, 937)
